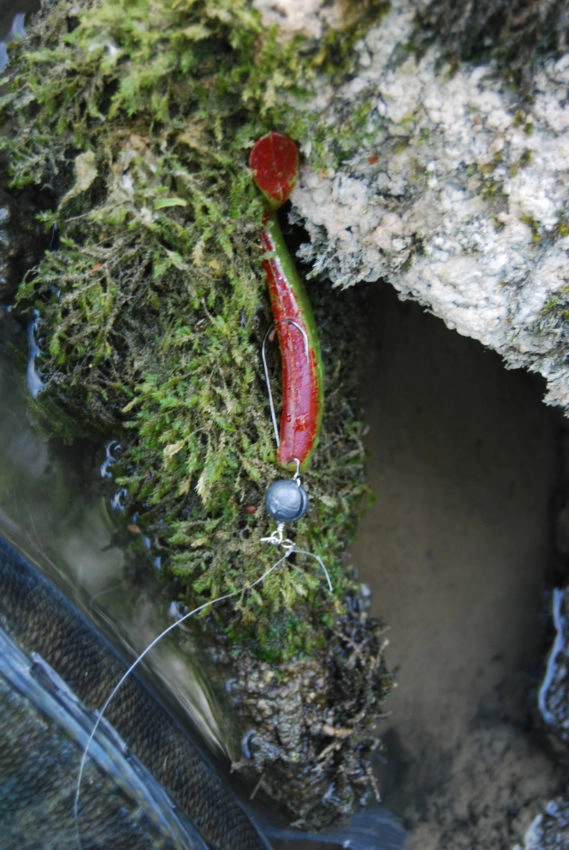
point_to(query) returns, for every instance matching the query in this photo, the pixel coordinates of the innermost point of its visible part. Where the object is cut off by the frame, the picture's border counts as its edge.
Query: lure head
(286, 500)
(274, 163)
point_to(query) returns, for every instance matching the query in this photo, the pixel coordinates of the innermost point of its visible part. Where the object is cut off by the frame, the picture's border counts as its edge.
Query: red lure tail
(274, 163)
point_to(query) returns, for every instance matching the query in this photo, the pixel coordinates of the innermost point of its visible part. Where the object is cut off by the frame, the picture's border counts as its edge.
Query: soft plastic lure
(274, 163)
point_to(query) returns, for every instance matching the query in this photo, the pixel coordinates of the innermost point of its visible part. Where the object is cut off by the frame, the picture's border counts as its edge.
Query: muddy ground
(463, 460)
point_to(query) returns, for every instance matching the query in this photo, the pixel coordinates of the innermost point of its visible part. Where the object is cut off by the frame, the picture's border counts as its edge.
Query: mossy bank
(131, 124)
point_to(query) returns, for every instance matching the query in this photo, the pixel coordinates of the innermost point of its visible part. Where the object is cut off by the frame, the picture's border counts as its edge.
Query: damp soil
(456, 549)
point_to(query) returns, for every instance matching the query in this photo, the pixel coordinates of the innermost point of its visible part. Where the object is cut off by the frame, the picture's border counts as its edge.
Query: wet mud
(456, 549)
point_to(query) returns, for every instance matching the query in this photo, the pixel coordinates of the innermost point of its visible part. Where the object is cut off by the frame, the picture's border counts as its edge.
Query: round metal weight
(286, 501)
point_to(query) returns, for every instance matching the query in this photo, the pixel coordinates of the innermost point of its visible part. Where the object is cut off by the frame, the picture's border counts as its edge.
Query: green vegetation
(138, 118)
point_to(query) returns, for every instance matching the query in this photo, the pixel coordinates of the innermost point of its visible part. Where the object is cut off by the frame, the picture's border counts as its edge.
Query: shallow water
(56, 508)
(462, 460)
(12, 18)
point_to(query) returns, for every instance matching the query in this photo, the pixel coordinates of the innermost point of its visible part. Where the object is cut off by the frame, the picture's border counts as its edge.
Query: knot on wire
(277, 538)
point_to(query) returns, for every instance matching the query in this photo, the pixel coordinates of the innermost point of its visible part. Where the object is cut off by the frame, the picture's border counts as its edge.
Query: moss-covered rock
(136, 119)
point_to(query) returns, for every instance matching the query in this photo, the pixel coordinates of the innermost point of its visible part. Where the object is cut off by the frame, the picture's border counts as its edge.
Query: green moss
(139, 116)
(556, 308)
(535, 227)
(524, 160)
(492, 190)
(562, 226)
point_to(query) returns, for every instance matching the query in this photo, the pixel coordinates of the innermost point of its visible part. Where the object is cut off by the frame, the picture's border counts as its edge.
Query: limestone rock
(458, 198)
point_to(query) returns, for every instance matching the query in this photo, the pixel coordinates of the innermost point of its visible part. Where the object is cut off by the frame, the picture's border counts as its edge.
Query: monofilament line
(151, 645)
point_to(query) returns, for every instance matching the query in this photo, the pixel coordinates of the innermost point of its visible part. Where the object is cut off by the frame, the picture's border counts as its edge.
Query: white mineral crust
(459, 198)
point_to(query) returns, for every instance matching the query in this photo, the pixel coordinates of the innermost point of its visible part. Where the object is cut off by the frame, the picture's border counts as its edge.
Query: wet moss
(555, 311)
(153, 306)
(138, 118)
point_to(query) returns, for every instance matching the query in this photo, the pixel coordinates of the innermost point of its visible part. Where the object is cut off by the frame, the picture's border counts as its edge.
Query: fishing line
(286, 500)
(274, 163)
(288, 552)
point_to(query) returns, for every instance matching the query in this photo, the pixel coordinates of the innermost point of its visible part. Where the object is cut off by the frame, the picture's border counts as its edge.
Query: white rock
(465, 211)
